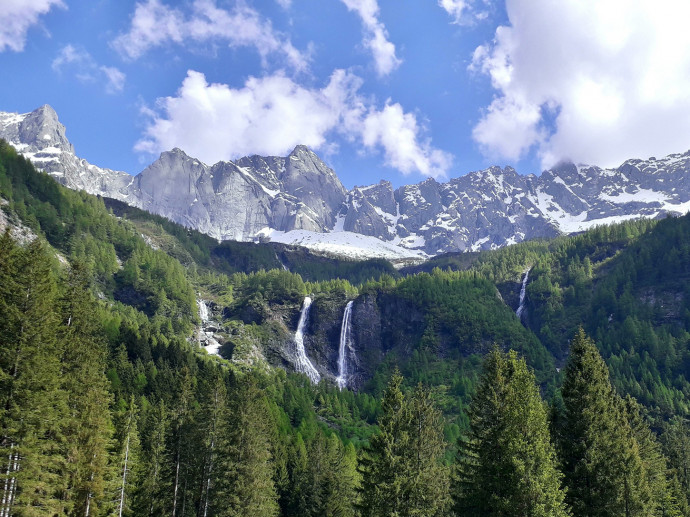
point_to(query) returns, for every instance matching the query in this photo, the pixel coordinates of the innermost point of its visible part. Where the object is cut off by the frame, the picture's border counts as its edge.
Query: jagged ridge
(299, 199)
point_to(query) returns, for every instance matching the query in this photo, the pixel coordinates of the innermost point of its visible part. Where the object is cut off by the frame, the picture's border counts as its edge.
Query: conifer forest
(448, 403)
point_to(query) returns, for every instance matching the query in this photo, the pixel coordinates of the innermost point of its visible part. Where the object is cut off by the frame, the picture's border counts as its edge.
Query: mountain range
(298, 199)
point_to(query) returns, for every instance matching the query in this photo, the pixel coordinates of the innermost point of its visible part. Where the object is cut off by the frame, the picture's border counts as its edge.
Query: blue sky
(381, 89)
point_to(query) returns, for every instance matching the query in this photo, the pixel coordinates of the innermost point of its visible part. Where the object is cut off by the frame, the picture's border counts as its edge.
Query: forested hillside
(109, 406)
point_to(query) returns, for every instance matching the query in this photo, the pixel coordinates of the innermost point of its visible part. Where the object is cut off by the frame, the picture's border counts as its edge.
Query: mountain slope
(299, 199)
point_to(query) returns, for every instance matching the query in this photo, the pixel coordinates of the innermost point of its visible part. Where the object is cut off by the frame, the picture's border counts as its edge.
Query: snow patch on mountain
(347, 244)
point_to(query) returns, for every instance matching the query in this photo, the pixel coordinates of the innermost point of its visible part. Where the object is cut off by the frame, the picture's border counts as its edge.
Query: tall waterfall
(345, 344)
(302, 362)
(523, 291)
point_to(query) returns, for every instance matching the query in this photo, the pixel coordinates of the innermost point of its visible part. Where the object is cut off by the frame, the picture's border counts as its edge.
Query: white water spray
(523, 292)
(302, 362)
(203, 311)
(345, 344)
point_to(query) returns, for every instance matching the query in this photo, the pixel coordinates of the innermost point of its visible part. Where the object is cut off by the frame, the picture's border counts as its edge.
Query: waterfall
(206, 337)
(345, 343)
(523, 291)
(285, 268)
(203, 310)
(302, 362)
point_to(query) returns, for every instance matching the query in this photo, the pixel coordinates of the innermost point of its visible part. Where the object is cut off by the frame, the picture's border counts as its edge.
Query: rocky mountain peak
(298, 199)
(41, 129)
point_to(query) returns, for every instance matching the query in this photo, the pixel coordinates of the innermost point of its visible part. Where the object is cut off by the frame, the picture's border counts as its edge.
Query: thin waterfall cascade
(302, 362)
(523, 291)
(206, 331)
(203, 310)
(345, 345)
(285, 268)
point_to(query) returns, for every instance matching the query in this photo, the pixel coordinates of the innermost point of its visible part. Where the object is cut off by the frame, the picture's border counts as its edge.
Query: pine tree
(214, 418)
(328, 481)
(35, 406)
(180, 457)
(343, 494)
(9, 317)
(9, 349)
(382, 466)
(88, 427)
(507, 464)
(428, 486)
(401, 470)
(665, 501)
(676, 443)
(246, 486)
(601, 459)
(298, 467)
(128, 459)
(151, 494)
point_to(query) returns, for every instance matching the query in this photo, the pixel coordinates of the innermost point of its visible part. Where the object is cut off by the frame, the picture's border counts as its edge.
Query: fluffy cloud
(271, 115)
(589, 80)
(375, 35)
(155, 24)
(85, 68)
(16, 16)
(397, 133)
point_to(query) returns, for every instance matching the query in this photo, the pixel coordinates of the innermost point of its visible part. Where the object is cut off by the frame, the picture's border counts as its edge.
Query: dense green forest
(108, 406)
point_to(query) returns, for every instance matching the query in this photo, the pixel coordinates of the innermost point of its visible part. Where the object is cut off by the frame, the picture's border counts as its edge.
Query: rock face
(299, 199)
(40, 137)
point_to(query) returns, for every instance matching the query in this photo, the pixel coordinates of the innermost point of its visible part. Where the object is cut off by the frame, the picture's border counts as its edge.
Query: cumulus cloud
(155, 24)
(17, 16)
(86, 69)
(398, 133)
(375, 35)
(272, 114)
(588, 80)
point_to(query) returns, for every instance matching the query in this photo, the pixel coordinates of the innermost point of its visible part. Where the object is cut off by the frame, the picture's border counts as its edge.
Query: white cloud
(594, 81)
(271, 115)
(375, 35)
(155, 24)
(398, 133)
(85, 68)
(116, 79)
(455, 8)
(17, 16)
(465, 12)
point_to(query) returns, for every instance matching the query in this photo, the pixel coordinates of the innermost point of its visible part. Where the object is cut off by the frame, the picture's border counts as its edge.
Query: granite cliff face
(299, 199)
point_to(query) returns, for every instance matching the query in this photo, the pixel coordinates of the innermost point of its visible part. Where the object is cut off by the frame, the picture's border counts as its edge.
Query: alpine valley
(250, 338)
